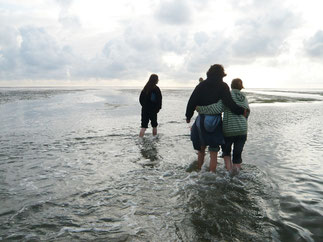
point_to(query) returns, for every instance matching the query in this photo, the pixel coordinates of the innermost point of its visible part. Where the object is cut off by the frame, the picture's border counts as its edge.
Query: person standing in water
(205, 93)
(235, 127)
(151, 102)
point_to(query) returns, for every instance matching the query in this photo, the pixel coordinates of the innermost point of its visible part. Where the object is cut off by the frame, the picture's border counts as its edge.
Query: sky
(266, 43)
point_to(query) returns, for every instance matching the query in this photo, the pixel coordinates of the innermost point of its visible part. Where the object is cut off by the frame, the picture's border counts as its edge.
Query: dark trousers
(147, 115)
(238, 144)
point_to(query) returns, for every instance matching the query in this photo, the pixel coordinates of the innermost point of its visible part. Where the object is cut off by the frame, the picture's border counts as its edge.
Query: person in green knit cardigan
(235, 127)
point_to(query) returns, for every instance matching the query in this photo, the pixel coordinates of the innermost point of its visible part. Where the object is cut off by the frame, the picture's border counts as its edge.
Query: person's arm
(248, 108)
(159, 98)
(247, 113)
(215, 108)
(191, 105)
(228, 101)
(142, 98)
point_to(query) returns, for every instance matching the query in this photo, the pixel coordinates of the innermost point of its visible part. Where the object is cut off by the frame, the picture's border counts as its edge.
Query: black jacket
(208, 92)
(151, 101)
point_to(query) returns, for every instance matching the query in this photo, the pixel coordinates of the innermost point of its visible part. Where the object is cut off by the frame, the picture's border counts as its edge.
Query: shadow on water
(220, 207)
(193, 166)
(148, 150)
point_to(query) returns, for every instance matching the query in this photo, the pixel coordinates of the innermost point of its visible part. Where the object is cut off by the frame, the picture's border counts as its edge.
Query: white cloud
(126, 40)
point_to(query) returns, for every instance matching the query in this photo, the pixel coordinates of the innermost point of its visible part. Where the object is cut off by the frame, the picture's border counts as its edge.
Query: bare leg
(200, 157)
(237, 167)
(155, 131)
(228, 163)
(213, 161)
(142, 132)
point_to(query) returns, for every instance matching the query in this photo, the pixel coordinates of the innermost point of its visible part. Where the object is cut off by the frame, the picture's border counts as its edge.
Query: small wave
(114, 105)
(22, 212)
(90, 193)
(46, 226)
(110, 219)
(174, 122)
(15, 237)
(9, 212)
(113, 229)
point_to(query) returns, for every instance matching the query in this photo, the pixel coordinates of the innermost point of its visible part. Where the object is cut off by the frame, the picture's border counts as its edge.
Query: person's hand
(188, 120)
(245, 113)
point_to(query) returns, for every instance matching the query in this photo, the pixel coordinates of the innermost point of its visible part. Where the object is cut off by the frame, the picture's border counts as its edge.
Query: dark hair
(237, 84)
(216, 71)
(152, 82)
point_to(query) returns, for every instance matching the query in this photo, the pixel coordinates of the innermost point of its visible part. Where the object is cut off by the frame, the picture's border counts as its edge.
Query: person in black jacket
(151, 102)
(207, 92)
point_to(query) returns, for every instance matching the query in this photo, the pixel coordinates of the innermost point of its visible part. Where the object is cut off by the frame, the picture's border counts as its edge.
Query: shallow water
(73, 168)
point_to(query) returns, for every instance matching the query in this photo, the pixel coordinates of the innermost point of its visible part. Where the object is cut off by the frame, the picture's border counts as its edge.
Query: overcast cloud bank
(71, 41)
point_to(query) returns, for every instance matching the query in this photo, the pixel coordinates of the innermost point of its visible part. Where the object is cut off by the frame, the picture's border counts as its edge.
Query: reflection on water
(148, 148)
(72, 167)
(193, 166)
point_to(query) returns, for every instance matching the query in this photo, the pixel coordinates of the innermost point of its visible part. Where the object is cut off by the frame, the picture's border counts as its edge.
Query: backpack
(153, 97)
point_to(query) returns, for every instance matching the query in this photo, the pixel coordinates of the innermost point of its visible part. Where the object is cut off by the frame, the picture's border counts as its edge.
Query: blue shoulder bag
(211, 122)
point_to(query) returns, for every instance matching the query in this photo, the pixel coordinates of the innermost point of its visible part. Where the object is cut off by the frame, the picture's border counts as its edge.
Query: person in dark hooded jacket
(151, 102)
(205, 93)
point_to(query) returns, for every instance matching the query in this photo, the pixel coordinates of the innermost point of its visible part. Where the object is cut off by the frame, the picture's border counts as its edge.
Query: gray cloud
(200, 38)
(134, 53)
(9, 48)
(211, 49)
(264, 34)
(143, 40)
(64, 3)
(68, 21)
(65, 18)
(139, 45)
(174, 12)
(261, 32)
(33, 54)
(173, 42)
(39, 50)
(314, 45)
(125, 56)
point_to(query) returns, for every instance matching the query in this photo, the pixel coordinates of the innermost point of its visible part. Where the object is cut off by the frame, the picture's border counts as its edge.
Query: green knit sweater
(233, 124)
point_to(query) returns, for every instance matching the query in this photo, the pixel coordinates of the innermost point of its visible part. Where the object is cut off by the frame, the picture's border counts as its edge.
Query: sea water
(72, 167)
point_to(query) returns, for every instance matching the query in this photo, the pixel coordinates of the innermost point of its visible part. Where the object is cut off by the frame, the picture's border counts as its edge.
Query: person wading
(151, 102)
(208, 92)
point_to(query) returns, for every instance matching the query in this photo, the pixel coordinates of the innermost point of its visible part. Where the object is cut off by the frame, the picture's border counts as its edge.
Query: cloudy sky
(267, 43)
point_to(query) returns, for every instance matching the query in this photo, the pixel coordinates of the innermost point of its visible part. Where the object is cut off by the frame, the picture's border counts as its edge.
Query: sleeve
(215, 108)
(228, 101)
(159, 98)
(248, 109)
(142, 98)
(247, 103)
(191, 105)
